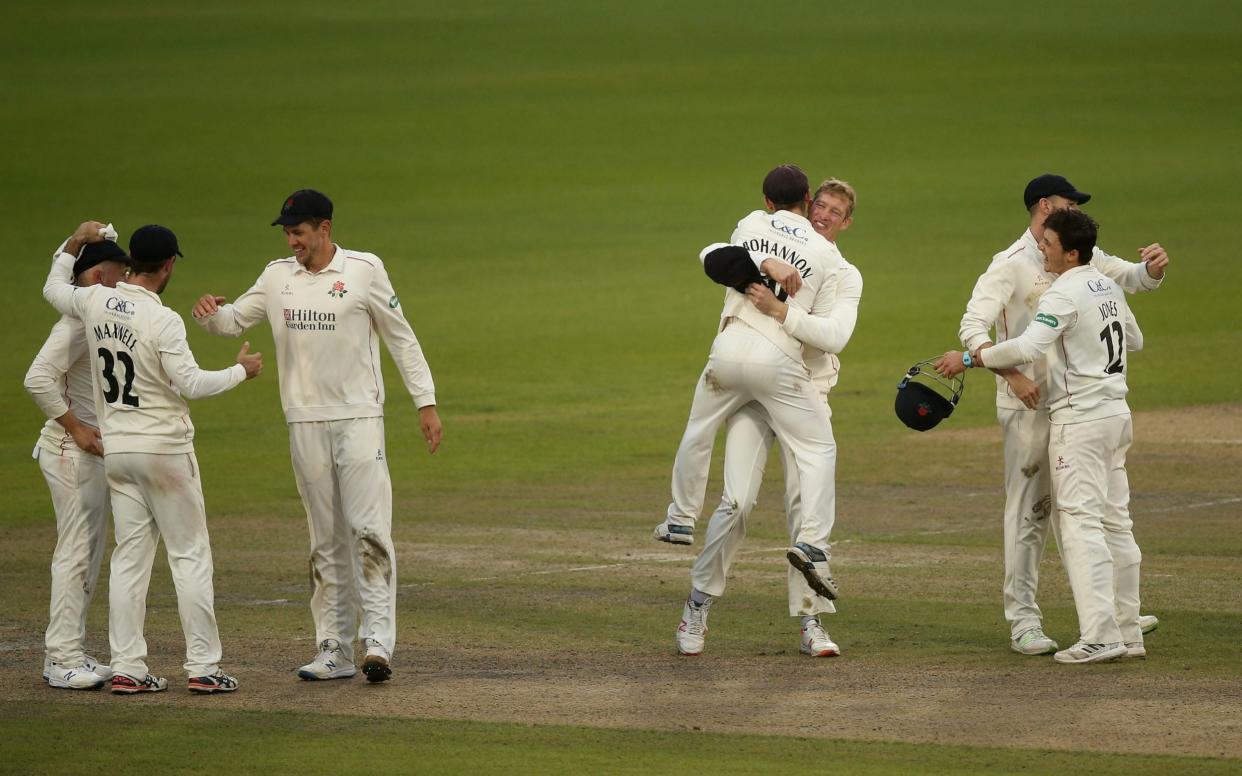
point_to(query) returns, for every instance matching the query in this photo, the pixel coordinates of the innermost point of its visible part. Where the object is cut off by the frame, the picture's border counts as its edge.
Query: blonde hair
(840, 188)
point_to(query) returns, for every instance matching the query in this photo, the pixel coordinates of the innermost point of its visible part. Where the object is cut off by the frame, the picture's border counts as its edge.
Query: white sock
(808, 619)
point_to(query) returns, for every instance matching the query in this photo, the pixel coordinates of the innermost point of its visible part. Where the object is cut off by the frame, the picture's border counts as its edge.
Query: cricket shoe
(1033, 641)
(91, 664)
(1083, 652)
(375, 665)
(213, 683)
(79, 677)
(816, 642)
(330, 663)
(1148, 623)
(123, 684)
(813, 563)
(1135, 650)
(692, 632)
(674, 534)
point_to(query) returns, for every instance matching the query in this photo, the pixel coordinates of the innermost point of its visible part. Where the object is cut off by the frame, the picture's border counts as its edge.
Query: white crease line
(1200, 505)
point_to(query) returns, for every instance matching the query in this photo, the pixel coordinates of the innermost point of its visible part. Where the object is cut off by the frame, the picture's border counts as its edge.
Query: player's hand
(207, 306)
(253, 362)
(429, 420)
(88, 438)
(762, 297)
(784, 273)
(87, 232)
(1156, 260)
(1023, 387)
(950, 364)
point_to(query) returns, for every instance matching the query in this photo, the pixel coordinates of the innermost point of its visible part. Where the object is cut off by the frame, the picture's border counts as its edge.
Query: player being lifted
(143, 373)
(329, 307)
(1086, 316)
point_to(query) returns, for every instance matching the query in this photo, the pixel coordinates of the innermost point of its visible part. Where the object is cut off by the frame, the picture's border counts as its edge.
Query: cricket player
(756, 358)
(749, 437)
(143, 371)
(1084, 313)
(71, 458)
(328, 308)
(1005, 299)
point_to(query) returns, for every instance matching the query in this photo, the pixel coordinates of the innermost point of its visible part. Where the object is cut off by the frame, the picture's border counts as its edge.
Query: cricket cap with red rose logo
(303, 205)
(919, 405)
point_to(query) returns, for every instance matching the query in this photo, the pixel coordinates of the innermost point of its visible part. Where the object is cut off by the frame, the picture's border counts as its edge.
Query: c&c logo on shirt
(118, 305)
(1098, 285)
(793, 231)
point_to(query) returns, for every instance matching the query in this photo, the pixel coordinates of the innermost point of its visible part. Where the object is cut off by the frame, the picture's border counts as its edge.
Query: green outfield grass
(538, 179)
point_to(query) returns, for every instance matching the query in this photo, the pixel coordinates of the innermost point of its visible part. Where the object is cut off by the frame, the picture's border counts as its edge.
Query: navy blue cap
(97, 253)
(153, 243)
(302, 205)
(1049, 185)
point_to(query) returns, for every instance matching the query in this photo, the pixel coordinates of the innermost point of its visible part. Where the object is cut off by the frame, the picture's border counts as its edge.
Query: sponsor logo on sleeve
(1047, 320)
(392, 302)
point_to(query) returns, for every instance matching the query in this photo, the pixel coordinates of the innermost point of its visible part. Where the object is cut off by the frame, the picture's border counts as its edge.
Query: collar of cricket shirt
(337, 264)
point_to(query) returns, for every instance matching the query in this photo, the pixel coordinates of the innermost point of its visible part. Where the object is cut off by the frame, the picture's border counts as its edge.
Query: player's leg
(366, 500)
(804, 601)
(713, 402)
(1080, 468)
(175, 495)
(331, 546)
(130, 575)
(747, 442)
(1027, 520)
(1119, 533)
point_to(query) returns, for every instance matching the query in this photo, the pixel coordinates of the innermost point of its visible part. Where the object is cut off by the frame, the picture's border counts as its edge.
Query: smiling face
(830, 214)
(311, 245)
(1056, 258)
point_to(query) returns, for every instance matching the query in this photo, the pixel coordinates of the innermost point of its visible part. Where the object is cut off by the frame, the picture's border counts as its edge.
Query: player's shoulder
(361, 258)
(1018, 251)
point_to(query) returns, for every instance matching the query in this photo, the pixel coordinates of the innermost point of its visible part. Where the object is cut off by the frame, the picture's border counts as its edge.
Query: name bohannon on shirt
(783, 252)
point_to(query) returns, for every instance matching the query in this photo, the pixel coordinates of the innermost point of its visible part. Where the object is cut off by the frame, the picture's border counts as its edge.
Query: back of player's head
(151, 246)
(786, 185)
(841, 189)
(1076, 230)
(97, 253)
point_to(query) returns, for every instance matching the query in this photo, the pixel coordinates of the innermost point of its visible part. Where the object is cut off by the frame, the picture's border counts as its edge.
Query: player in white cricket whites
(1005, 298)
(329, 307)
(71, 458)
(143, 371)
(1085, 315)
(749, 438)
(756, 358)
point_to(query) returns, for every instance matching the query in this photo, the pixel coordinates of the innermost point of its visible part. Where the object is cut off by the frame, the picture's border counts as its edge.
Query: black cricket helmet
(919, 405)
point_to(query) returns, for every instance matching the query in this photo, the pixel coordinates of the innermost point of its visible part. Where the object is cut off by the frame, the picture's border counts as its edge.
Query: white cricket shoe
(375, 665)
(816, 642)
(674, 534)
(1148, 623)
(692, 631)
(1135, 650)
(91, 664)
(79, 677)
(1033, 641)
(330, 663)
(1083, 652)
(813, 563)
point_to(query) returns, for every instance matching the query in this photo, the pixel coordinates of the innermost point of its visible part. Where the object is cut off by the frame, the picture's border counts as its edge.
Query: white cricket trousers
(342, 475)
(152, 496)
(1088, 462)
(79, 491)
(748, 441)
(744, 367)
(1028, 513)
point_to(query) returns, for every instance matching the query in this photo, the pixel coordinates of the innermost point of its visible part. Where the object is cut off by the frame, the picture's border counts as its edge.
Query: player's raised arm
(1134, 276)
(231, 320)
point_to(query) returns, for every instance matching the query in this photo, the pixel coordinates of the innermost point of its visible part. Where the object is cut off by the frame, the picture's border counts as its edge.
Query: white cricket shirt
(141, 363)
(1085, 326)
(788, 236)
(59, 380)
(327, 326)
(1007, 294)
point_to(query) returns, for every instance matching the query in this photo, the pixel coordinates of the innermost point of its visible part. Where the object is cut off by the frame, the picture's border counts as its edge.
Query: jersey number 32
(113, 389)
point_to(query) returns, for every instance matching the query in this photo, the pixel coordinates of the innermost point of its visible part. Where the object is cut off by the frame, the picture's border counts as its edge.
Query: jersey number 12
(114, 388)
(1114, 351)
